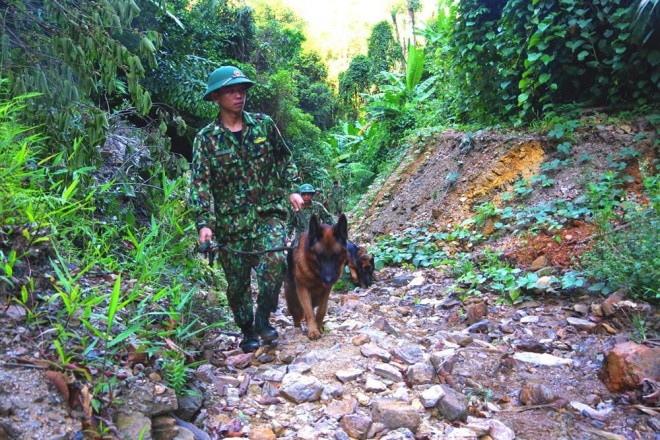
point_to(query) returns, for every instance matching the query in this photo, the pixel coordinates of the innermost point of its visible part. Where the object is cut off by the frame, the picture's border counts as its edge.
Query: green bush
(629, 258)
(524, 60)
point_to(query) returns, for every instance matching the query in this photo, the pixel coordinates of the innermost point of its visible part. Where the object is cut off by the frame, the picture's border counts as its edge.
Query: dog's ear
(341, 229)
(315, 231)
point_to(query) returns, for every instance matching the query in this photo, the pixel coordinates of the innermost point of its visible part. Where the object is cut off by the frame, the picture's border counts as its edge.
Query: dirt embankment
(453, 174)
(443, 181)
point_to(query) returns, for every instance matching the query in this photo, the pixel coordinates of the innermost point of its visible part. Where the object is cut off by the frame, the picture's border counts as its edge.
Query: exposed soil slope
(443, 180)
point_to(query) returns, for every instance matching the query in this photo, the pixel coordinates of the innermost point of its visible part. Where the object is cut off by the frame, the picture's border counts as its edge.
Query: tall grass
(116, 287)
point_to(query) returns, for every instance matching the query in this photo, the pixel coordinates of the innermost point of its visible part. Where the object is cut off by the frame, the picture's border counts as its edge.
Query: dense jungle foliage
(483, 62)
(129, 74)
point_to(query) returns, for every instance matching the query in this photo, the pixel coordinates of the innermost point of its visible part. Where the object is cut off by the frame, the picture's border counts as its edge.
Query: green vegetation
(502, 64)
(141, 303)
(83, 80)
(626, 254)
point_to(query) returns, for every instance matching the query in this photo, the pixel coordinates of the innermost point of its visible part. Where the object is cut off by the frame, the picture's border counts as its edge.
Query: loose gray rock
(286, 356)
(408, 353)
(529, 319)
(536, 394)
(300, 368)
(383, 325)
(453, 406)
(375, 430)
(399, 434)
(401, 280)
(341, 407)
(133, 425)
(205, 373)
(374, 351)
(430, 396)
(185, 434)
(356, 425)
(420, 374)
(332, 390)
(388, 372)
(374, 386)
(150, 399)
(273, 375)
(190, 403)
(493, 428)
(348, 374)
(544, 359)
(164, 428)
(227, 380)
(360, 339)
(308, 432)
(444, 360)
(299, 388)
(582, 324)
(395, 414)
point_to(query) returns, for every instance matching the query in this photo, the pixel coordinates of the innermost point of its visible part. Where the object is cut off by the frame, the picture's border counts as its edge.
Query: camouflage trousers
(337, 207)
(270, 268)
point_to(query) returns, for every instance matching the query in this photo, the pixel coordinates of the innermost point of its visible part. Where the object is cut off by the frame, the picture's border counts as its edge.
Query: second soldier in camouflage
(298, 221)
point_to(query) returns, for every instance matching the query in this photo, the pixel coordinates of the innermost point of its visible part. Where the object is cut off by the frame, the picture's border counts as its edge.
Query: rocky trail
(399, 360)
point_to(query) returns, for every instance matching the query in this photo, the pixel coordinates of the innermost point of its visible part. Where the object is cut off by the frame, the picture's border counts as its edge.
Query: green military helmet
(225, 76)
(306, 188)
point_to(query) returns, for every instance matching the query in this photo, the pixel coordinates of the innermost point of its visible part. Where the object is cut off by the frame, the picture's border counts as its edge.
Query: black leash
(211, 248)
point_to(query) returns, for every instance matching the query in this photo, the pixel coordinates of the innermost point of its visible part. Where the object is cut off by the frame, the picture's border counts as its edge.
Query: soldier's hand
(205, 234)
(296, 200)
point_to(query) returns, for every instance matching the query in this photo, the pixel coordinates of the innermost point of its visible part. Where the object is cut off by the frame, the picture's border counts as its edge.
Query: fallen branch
(647, 410)
(242, 389)
(16, 365)
(198, 433)
(558, 403)
(605, 434)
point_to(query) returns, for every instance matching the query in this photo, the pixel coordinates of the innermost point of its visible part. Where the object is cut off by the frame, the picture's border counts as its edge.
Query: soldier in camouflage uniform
(242, 167)
(298, 221)
(337, 198)
(320, 197)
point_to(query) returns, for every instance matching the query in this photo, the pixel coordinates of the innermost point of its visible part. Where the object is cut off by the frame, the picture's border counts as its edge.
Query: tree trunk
(411, 20)
(404, 49)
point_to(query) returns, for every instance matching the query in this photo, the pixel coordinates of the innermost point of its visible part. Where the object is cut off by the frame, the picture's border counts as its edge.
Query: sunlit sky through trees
(339, 29)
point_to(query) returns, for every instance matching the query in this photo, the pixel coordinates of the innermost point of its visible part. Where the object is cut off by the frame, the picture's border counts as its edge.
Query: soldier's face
(232, 98)
(307, 197)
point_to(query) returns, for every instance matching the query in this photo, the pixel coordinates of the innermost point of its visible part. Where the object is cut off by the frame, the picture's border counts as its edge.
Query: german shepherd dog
(314, 266)
(360, 264)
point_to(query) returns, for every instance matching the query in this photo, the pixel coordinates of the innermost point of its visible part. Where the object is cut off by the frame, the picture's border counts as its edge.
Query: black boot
(250, 341)
(263, 327)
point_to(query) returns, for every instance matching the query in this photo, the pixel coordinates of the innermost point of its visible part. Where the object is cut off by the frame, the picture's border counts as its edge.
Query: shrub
(629, 258)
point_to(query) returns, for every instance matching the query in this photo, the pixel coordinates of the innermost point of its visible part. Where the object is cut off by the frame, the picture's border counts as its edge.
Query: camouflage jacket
(244, 182)
(337, 195)
(299, 220)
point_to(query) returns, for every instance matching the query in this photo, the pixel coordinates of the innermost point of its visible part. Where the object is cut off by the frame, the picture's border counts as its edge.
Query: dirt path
(406, 322)
(403, 340)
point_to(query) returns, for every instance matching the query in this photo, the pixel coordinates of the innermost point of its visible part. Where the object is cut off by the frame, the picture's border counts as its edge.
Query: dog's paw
(313, 334)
